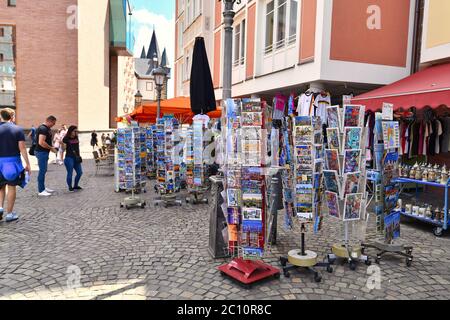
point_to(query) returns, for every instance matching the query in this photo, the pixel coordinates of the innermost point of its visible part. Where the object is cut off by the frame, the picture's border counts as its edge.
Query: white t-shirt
(203, 118)
(321, 103)
(439, 133)
(304, 107)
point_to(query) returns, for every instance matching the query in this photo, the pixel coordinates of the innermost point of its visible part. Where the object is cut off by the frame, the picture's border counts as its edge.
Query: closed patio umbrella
(202, 95)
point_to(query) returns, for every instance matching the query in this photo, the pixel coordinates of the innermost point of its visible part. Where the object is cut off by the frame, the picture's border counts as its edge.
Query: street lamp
(228, 20)
(137, 99)
(160, 75)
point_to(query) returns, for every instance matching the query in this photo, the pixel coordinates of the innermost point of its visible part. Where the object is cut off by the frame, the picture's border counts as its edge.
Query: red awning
(180, 107)
(429, 87)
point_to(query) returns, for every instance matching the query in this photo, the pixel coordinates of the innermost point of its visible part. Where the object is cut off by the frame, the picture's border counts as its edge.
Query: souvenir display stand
(388, 191)
(150, 144)
(438, 220)
(167, 161)
(245, 195)
(130, 156)
(344, 181)
(195, 168)
(306, 194)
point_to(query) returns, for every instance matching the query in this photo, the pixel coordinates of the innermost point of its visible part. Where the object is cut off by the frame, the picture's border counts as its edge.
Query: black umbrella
(203, 99)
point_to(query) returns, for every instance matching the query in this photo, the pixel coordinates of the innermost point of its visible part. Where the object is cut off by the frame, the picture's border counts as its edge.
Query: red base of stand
(248, 271)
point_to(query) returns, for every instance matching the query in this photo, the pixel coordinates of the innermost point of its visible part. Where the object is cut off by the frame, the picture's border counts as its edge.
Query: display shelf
(424, 219)
(439, 225)
(427, 183)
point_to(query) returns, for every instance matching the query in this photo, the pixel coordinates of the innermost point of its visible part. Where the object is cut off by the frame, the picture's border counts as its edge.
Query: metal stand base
(248, 272)
(167, 200)
(352, 256)
(133, 201)
(197, 196)
(383, 248)
(307, 262)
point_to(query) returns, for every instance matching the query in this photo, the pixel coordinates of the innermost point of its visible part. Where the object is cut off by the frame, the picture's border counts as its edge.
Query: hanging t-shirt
(438, 136)
(305, 104)
(445, 138)
(321, 102)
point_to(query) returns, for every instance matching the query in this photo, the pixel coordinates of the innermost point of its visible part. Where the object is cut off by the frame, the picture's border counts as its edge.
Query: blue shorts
(12, 172)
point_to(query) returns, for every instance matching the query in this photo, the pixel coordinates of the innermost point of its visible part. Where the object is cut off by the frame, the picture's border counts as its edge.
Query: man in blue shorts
(12, 172)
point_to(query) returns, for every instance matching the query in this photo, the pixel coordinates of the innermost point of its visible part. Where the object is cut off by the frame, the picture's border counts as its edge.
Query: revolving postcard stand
(150, 144)
(387, 191)
(167, 162)
(303, 197)
(244, 193)
(195, 168)
(345, 181)
(129, 156)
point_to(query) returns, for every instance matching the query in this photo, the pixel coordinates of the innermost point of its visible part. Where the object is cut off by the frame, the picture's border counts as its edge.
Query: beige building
(68, 58)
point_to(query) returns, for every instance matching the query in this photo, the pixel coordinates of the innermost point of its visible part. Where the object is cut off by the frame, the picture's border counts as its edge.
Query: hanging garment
(416, 139)
(445, 137)
(421, 135)
(321, 102)
(291, 104)
(438, 136)
(305, 104)
(279, 106)
(432, 139)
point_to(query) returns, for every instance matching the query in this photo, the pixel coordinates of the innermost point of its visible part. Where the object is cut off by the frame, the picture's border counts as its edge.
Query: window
(239, 44)
(269, 26)
(293, 21)
(7, 67)
(188, 12)
(279, 30)
(149, 86)
(11, 3)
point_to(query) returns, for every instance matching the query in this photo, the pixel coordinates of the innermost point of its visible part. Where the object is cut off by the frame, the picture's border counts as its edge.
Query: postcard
(233, 215)
(304, 134)
(392, 226)
(233, 197)
(303, 121)
(352, 138)
(351, 182)
(252, 213)
(333, 138)
(252, 200)
(353, 116)
(332, 160)
(331, 181)
(352, 207)
(251, 119)
(334, 117)
(391, 134)
(352, 161)
(332, 200)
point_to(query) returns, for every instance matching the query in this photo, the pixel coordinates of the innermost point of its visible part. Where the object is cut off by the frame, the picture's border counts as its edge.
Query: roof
(429, 87)
(153, 48)
(143, 54)
(164, 58)
(143, 68)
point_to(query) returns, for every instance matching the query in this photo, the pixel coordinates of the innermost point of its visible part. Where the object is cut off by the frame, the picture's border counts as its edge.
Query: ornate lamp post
(160, 76)
(228, 19)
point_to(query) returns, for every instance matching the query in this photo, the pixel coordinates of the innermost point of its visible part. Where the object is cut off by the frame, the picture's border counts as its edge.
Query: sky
(161, 15)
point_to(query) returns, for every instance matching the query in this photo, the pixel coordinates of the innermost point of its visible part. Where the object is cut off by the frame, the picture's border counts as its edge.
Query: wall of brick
(47, 60)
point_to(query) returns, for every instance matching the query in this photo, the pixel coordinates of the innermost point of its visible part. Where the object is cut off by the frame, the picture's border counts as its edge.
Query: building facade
(145, 64)
(68, 58)
(193, 18)
(341, 46)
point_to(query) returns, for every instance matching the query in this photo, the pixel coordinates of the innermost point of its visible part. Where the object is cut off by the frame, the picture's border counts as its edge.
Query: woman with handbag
(73, 159)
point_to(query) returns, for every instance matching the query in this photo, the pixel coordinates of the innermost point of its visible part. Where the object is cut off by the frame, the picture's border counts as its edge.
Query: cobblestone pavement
(162, 253)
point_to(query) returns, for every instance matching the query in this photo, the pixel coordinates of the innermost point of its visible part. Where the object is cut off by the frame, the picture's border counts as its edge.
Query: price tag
(388, 111)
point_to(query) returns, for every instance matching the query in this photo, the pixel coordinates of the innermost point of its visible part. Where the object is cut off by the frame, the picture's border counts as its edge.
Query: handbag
(78, 158)
(32, 150)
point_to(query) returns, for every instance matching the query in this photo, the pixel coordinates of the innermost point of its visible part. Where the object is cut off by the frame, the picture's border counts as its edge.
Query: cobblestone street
(161, 253)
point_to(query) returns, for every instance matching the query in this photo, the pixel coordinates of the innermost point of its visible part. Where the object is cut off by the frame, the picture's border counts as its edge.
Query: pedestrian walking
(94, 140)
(32, 134)
(12, 172)
(73, 159)
(57, 143)
(103, 139)
(61, 149)
(43, 148)
(108, 140)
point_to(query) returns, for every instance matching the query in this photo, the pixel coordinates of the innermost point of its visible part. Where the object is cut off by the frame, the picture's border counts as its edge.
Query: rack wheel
(283, 261)
(329, 269)
(408, 262)
(377, 260)
(317, 277)
(286, 274)
(352, 265)
(277, 276)
(222, 273)
(437, 231)
(142, 205)
(330, 260)
(121, 205)
(127, 207)
(206, 201)
(368, 262)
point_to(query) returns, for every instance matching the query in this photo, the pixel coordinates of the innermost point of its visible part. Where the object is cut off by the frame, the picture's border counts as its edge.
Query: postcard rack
(245, 191)
(195, 167)
(129, 153)
(387, 191)
(345, 181)
(167, 162)
(306, 192)
(150, 145)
